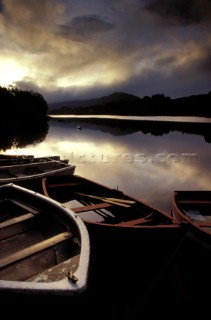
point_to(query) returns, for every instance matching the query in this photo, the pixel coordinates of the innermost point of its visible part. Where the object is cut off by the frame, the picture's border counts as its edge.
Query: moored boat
(132, 243)
(194, 208)
(25, 173)
(44, 247)
(10, 159)
(194, 263)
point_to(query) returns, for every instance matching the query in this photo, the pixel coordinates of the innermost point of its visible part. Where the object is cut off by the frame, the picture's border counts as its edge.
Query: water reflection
(138, 118)
(21, 135)
(145, 165)
(116, 126)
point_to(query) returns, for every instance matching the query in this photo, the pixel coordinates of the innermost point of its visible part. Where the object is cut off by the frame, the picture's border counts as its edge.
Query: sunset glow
(76, 51)
(11, 72)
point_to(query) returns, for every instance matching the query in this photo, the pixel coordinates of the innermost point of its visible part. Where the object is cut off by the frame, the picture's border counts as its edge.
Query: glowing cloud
(11, 71)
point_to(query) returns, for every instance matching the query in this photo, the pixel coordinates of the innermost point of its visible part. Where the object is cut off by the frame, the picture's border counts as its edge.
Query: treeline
(158, 104)
(21, 105)
(157, 128)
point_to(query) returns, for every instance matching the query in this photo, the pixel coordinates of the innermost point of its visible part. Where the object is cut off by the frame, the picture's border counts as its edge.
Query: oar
(118, 202)
(121, 200)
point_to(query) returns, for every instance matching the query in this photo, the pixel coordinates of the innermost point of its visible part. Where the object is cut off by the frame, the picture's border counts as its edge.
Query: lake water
(146, 159)
(139, 118)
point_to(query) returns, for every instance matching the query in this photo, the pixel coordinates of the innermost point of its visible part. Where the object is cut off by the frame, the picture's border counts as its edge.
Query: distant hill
(116, 96)
(72, 103)
(119, 103)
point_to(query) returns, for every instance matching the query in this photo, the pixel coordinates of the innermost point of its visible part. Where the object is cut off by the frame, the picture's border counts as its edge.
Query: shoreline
(189, 119)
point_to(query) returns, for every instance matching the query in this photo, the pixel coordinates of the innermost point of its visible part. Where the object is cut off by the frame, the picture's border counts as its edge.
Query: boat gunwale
(172, 221)
(61, 287)
(194, 226)
(65, 167)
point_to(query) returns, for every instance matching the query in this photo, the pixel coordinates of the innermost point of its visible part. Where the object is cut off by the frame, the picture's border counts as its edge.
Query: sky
(83, 49)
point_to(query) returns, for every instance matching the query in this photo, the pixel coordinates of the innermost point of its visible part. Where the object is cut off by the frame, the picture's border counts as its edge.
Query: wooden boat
(194, 263)
(7, 160)
(44, 247)
(132, 243)
(23, 174)
(194, 208)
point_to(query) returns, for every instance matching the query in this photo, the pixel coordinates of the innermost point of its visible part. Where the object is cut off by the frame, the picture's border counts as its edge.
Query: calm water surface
(146, 160)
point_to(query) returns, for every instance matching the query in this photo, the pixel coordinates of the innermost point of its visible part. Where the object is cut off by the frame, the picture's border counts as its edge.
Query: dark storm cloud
(66, 94)
(86, 26)
(85, 49)
(195, 61)
(33, 12)
(29, 25)
(182, 11)
(1, 6)
(205, 64)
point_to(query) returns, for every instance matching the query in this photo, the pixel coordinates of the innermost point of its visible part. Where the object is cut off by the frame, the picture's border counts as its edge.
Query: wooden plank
(17, 256)
(63, 184)
(91, 207)
(194, 201)
(14, 230)
(24, 206)
(16, 220)
(155, 226)
(44, 187)
(133, 222)
(203, 223)
(58, 272)
(117, 202)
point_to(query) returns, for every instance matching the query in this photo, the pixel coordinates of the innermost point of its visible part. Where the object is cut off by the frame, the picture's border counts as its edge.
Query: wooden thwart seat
(91, 207)
(38, 247)
(16, 220)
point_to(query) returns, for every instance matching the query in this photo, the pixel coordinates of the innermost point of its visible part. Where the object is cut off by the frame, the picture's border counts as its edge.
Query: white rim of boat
(38, 175)
(65, 286)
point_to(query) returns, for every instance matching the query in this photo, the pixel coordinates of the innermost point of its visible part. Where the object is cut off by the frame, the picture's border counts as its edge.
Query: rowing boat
(44, 246)
(25, 173)
(194, 263)
(132, 243)
(10, 159)
(194, 208)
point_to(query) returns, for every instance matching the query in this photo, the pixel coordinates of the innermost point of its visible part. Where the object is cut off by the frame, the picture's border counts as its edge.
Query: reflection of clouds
(153, 183)
(147, 167)
(146, 182)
